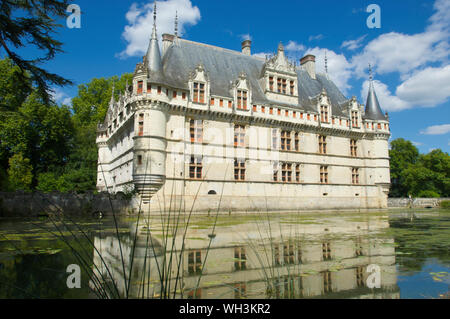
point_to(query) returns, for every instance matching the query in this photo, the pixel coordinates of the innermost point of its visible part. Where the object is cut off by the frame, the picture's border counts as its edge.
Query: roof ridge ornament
(176, 24)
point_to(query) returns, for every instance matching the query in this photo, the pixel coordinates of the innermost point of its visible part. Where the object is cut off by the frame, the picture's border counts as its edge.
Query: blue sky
(409, 53)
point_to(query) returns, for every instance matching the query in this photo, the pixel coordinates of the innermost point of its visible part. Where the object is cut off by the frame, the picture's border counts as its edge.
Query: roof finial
(326, 63)
(176, 24)
(370, 73)
(112, 93)
(154, 13)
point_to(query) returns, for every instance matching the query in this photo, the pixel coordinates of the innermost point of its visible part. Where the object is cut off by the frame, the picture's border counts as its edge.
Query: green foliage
(402, 153)
(424, 175)
(20, 173)
(28, 23)
(445, 204)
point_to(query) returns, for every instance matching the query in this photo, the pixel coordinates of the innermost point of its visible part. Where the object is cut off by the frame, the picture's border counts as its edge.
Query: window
(239, 135)
(358, 247)
(141, 125)
(271, 110)
(326, 251)
(139, 159)
(322, 144)
(195, 262)
(276, 254)
(275, 172)
(271, 83)
(292, 87)
(308, 117)
(230, 104)
(195, 294)
(195, 168)
(274, 139)
(239, 170)
(353, 148)
(240, 291)
(360, 277)
(221, 103)
(240, 258)
(324, 113)
(263, 109)
(183, 95)
(379, 126)
(288, 253)
(212, 101)
(159, 90)
(284, 83)
(149, 88)
(286, 172)
(279, 85)
(174, 94)
(327, 282)
(324, 174)
(242, 100)
(286, 113)
(355, 119)
(255, 109)
(297, 173)
(355, 176)
(140, 87)
(285, 141)
(296, 142)
(196, 130)
(294, 114)
(199, 92)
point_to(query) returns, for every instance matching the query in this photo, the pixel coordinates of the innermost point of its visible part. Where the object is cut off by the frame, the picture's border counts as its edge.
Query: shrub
(445, 204)
(428, 194)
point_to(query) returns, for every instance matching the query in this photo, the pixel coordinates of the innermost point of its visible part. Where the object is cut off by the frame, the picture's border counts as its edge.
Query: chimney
(308, 63)
(167, 40)
(246, 47)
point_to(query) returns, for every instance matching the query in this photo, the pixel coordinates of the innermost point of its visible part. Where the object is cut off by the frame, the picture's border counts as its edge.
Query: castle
(204, 128)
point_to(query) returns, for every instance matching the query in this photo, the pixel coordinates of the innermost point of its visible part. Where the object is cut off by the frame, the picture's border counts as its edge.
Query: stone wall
(415, 202)
(20, 204)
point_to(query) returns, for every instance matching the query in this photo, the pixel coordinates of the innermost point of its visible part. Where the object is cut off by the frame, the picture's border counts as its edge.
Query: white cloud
(353, 44)
(246, 37)
(262, 55)
(140, 21)
(416, 143)
(397, 52)
(437, 130)
(339, 69)
(60, 97)
(388, 101)
(295, 47)
(428, 87)
(315, 37)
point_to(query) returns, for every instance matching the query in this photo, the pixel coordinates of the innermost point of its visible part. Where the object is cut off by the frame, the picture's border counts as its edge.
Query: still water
(395, 254)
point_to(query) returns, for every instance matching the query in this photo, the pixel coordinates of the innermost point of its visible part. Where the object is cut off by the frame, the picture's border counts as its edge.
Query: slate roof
(373, 109)
(224, 66)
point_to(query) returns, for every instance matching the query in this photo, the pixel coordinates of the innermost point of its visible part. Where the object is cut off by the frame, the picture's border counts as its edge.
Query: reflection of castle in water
(287, 258)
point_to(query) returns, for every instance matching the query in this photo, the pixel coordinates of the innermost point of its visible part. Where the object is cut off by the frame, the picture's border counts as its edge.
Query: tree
(402, 154)
(32, 22)
(20, 173)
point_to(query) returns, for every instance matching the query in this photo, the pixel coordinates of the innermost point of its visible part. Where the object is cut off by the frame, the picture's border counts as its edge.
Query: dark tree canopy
(25, 23)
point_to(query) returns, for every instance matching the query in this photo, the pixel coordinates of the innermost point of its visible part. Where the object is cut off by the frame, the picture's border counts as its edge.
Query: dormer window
(140, 87)
(199, 92)
(284, 87)
(271, 83)
(292, 87)
(355, 119)
(279, 85)
(324, 114)
(241, 99)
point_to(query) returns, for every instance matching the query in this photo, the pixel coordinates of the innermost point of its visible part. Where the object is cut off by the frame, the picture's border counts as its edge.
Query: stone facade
(207, 128)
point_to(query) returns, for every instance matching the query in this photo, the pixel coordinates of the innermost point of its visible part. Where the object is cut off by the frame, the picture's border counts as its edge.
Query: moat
(385, 254)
